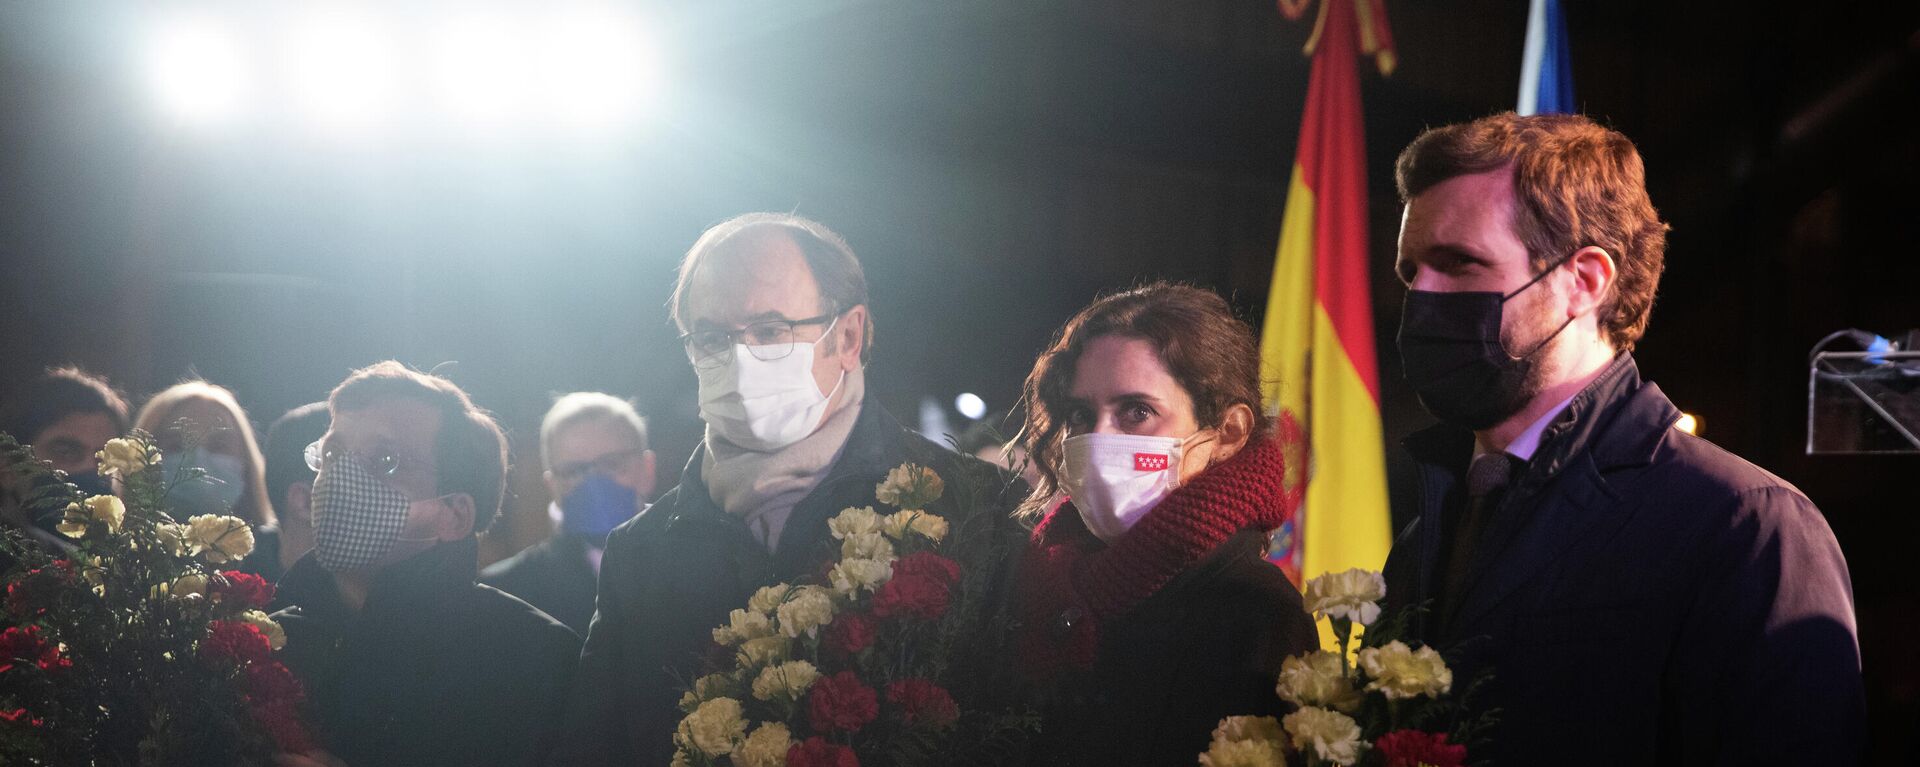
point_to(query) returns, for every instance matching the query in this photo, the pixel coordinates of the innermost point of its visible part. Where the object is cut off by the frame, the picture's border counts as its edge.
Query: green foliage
(138, 690)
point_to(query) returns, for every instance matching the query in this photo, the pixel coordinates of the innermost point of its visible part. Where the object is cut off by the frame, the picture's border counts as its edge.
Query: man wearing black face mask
(1624, 583)
(67, 415)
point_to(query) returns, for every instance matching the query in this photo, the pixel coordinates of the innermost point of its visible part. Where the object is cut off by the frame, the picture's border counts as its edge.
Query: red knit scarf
(1072, 581)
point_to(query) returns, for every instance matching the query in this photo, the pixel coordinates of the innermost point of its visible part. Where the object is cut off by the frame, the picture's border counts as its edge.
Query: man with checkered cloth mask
(406, 660)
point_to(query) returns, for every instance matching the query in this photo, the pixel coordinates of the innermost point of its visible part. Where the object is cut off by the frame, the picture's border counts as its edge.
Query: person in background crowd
(67, 415)
(406, 660)
(987, 440)
(289, 481)
(1627, 586)
(1149, 610)
(599, 473)
(197, 424)
(773, 308)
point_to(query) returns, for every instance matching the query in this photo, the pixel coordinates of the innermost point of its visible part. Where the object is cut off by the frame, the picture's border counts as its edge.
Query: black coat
(1205, 646)
(553, 575)
(434, 670)
(672, 574)
(1641, 597)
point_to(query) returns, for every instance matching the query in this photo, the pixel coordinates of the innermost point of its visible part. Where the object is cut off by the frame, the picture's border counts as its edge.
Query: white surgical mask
(1115, 479)
(764, 405)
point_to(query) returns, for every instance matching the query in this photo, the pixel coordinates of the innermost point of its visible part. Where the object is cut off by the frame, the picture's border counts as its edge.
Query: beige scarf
(762, 488)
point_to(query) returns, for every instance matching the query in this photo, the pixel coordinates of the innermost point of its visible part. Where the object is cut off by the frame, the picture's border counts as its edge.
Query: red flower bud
(1413, 748)
(849, 633)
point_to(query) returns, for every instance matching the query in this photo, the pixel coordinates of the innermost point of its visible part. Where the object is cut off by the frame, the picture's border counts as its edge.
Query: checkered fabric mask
(356, 517)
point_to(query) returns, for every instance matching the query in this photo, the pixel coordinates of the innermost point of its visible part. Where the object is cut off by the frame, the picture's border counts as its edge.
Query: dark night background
(996, 163)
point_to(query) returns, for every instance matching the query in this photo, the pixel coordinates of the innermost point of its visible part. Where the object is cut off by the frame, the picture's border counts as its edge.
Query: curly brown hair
(1208, 350)
(1578, 183)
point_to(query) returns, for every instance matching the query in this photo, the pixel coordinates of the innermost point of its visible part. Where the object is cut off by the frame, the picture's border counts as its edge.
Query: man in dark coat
(775, 310)
(1638, 595)
(405, 659)
(599, 473)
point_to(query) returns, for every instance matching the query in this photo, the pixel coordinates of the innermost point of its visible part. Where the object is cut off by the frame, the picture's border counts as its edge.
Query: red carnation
(274, 697)
(911, 594)
(33, 594)
(236, 641)
(849, 633)
(270, 682)
(841, 703)
(927, 564)
(284, 725)
(19, 716)
(817, 752)
(251, 591)
(23, 645)
(922, 702)
(1413, 748)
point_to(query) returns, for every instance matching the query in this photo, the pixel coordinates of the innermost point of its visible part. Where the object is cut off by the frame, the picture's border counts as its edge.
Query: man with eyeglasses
(404, 658)
(599, 473)
(773, 308)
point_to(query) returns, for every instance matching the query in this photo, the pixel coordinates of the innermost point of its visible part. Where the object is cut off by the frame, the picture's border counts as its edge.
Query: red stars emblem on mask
(1149, 461)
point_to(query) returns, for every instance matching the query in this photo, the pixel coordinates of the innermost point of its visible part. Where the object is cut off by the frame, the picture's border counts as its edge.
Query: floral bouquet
(855, 668)
(1387, 704)
(135, 647)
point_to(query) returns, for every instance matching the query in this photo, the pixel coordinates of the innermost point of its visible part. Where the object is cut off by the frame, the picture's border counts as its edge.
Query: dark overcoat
(1641, 596)
(1207, 645)
(435, 669)
(673, 573)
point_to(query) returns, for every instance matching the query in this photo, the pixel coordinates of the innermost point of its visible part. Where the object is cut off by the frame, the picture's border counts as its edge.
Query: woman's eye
(1079, 419)
(1136, 414)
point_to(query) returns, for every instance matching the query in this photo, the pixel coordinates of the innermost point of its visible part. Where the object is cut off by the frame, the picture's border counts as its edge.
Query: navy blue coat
(1641, 597)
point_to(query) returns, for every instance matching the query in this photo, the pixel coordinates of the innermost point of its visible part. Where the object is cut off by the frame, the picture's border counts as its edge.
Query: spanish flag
(1317, 351)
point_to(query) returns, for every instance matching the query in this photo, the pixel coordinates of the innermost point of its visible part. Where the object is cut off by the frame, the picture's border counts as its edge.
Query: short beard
(1540, 345)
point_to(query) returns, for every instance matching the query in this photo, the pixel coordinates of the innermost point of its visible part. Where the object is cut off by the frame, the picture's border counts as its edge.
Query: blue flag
(1546, 75)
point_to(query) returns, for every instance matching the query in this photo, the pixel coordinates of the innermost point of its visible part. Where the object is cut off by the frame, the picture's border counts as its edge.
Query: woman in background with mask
(200, 425)
(1147, 610)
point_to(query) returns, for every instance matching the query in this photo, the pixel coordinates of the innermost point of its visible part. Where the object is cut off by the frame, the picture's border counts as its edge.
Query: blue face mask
(597, 506)
(214, 492)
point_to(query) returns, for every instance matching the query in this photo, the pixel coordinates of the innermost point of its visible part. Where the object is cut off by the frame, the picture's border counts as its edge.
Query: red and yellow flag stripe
(1317, 349)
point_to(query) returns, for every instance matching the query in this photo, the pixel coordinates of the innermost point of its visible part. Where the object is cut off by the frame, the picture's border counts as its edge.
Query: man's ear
(1593, 275)
(457, 523)
(850, 337)
(553, 486)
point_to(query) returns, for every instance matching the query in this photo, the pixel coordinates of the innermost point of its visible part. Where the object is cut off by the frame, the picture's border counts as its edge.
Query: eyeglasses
(606, 464)
(386, 463)
(766, 340)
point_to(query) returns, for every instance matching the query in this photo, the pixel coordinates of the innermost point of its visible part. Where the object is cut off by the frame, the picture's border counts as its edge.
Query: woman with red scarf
(1147, 610)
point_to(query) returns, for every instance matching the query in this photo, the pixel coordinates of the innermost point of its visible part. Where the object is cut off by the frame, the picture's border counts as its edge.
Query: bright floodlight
(479, 69)
(341, 70)
(599, 69)
(196, 69)
(970, 405)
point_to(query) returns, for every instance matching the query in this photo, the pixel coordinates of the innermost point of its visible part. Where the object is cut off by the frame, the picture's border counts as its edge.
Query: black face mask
(50, 514)
(1450, 346)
